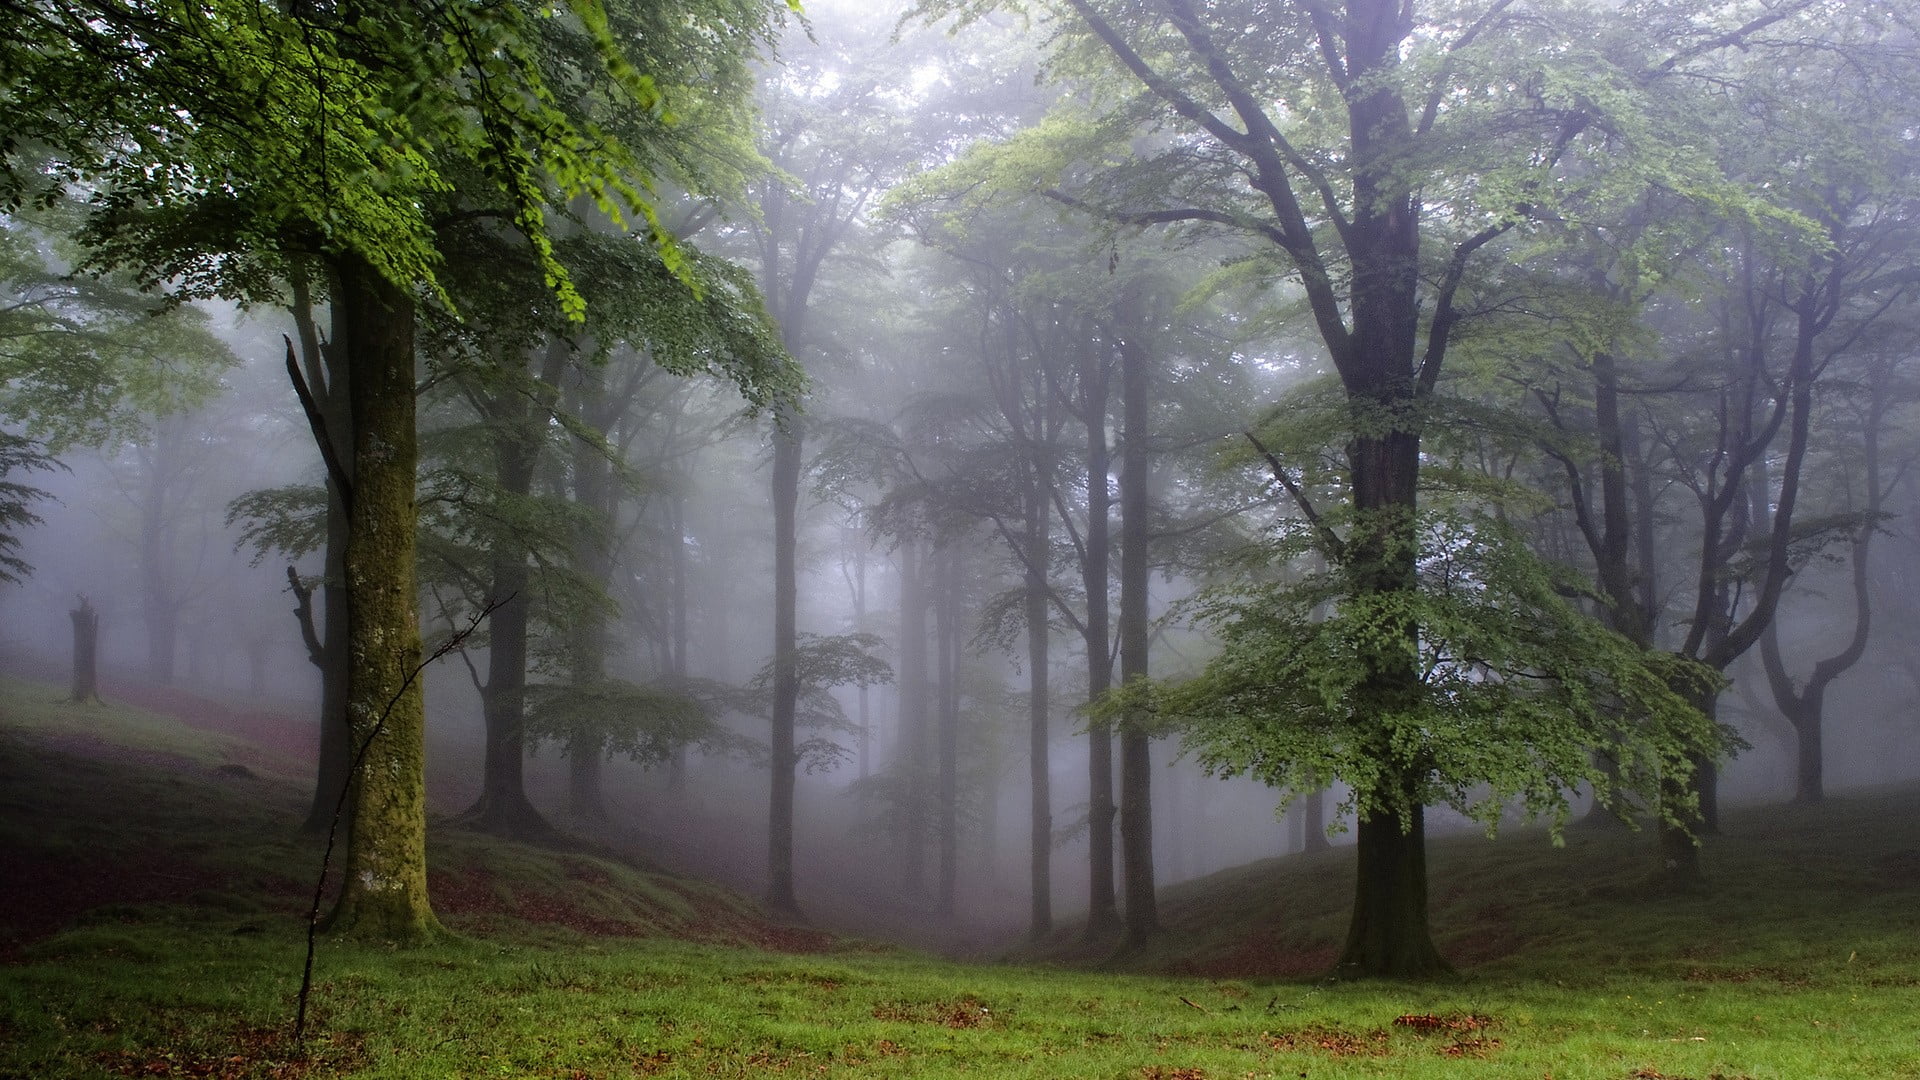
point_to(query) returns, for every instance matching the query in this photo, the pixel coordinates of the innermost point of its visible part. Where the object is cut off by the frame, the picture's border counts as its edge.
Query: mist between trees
(951, 470)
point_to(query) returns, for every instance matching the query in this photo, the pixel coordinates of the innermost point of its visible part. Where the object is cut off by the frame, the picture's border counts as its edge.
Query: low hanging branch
(318, 423)
(1336, 549)
(340, 806)
(303, 611)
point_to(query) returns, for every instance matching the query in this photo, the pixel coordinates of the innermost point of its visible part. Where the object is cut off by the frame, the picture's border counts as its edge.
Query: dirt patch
(243, 1054)
(1330, 1040)
(1467, 1030)
(1263, 957)
(962, 1012)
(1169, 1072)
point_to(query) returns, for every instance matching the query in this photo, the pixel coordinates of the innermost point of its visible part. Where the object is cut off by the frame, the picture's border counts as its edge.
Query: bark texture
(385, 882)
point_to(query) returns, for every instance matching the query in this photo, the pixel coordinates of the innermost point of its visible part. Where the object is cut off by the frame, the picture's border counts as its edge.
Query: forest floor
(153, 891)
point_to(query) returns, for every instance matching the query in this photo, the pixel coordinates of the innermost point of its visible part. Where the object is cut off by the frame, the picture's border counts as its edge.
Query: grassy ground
(1803, 962)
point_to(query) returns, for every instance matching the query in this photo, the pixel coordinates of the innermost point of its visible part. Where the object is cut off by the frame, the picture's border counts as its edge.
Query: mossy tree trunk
(384, 894)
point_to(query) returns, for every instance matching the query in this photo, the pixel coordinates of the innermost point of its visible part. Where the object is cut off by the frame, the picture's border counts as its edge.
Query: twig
(1186, 1001)
(346, 787)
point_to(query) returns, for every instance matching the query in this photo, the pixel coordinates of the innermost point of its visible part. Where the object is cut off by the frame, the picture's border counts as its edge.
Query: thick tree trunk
(1136, 764)
(1040, 833)
(86, 652)
(385, 891)
(786, 679)
(1388, 934)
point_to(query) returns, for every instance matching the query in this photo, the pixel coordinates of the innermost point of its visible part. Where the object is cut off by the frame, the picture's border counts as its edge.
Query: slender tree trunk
(677, 642)
(593, 490)
(1136, 763)
(947, 790)
(786, 679)
(327, 378)
(86, 652)
(1103, 916)
(1040, 859)
(912, 768)
(503, 806)
(385, 891)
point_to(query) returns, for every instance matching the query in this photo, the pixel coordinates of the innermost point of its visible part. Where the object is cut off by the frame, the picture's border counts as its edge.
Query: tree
(335, 132)
(1318, 138)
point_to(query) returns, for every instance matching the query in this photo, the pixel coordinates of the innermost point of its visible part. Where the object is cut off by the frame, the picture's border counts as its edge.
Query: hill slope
(106, 805)
(1842, 877)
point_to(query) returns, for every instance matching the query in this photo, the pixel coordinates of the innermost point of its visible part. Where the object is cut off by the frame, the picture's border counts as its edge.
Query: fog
(968, 318)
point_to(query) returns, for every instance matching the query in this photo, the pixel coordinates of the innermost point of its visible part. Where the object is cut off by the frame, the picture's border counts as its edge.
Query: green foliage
(822, 662)
(219, 133)
(18, 456)
(1514, 687)
(83, 357)
(290, 521)
(645, 723)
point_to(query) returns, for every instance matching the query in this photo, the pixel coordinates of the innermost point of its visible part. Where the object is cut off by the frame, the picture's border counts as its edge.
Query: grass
(1802, 962)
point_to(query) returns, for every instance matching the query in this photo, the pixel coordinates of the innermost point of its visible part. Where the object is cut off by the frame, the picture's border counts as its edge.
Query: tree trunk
(912, 764)
(586, 762)
(1136, 765)
(1388, 934)
(1679, 843)
(385, 890)
(1040, 858)
(327, 378)
(677, 641)
(947, 786)
(86, 652)
(1313, 822)
(519, 435)
(593, 491)
(1810, 765)
(1103, 916)
(786, 679)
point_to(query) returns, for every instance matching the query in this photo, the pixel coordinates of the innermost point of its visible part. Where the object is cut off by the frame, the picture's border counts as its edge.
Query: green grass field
(1803, 961)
